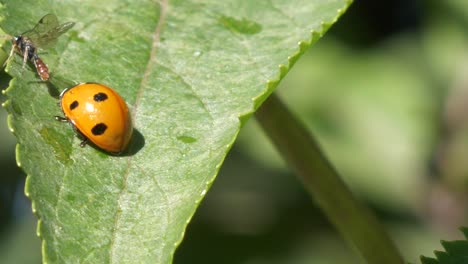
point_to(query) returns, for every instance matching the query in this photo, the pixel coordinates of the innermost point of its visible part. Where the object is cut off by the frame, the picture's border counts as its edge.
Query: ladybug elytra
(98, 114)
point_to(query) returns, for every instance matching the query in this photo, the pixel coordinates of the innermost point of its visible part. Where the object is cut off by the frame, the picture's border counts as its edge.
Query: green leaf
(456, 252)
(191, 71)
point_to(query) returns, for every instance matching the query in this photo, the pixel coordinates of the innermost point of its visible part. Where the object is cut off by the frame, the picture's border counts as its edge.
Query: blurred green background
(386, 94)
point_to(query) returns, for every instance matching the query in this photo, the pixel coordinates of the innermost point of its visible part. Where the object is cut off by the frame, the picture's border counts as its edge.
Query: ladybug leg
(61, 119)
(84, 142)
(84, 139)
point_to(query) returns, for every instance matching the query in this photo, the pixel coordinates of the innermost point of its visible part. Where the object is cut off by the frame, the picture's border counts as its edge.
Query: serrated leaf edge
(257, 101)
(443, 254)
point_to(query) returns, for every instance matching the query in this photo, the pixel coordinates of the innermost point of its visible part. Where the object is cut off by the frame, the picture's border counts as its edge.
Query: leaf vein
(149, 66)
(279, 10)
(191, 88)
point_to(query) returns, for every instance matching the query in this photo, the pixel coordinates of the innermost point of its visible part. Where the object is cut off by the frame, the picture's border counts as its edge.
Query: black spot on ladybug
(99, 129)
(74, 105)
(99, 97)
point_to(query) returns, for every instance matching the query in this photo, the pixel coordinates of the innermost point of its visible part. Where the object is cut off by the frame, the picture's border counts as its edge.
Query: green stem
(351, 218)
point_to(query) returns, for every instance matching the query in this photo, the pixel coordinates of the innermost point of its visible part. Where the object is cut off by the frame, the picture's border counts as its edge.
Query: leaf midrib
(149, 67)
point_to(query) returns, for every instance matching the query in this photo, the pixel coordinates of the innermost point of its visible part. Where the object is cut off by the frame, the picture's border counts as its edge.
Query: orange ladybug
(98, 114)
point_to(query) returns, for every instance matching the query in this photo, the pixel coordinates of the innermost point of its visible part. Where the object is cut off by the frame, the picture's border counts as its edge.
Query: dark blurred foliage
(11, 174)
(368, 23)
(257, 211)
